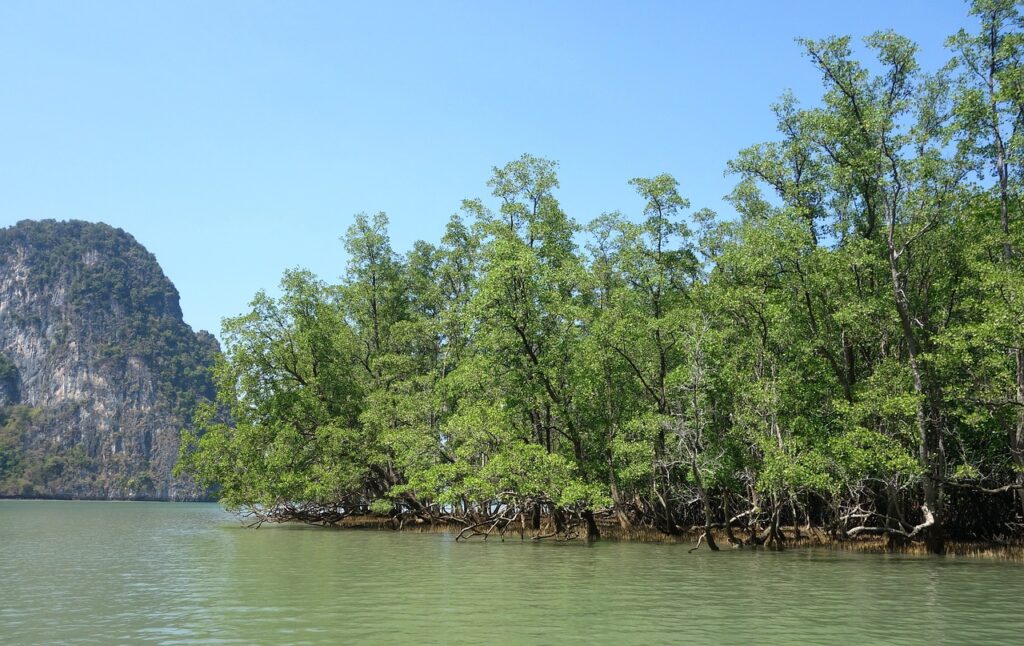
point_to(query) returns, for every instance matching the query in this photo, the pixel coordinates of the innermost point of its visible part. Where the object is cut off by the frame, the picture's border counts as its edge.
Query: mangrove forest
(842, 351)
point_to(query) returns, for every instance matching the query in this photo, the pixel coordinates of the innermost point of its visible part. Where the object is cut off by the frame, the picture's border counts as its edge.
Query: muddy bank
(791, 537)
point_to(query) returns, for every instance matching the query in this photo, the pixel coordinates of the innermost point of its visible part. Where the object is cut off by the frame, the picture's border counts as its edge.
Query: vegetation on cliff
(98, 372)
(847, 351)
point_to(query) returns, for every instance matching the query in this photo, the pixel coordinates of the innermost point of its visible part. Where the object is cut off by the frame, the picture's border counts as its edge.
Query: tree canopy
(847, 350)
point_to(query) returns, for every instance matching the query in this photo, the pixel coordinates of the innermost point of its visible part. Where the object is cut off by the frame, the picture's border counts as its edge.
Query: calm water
(96, 572)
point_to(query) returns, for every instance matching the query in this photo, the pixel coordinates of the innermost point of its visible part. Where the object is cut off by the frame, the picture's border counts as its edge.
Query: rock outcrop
(98, 371)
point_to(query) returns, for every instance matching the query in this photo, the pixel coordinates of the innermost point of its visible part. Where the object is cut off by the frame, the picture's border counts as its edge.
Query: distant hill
(98, 371)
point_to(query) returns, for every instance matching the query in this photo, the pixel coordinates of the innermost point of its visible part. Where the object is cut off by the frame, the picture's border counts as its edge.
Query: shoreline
(98, 499)
(813, 537)
(1011, 550)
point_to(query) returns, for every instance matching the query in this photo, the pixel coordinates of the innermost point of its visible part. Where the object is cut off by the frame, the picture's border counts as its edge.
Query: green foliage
(118, 291)
(9, 382)
(28, 471)
(12, 457)
(851, 341)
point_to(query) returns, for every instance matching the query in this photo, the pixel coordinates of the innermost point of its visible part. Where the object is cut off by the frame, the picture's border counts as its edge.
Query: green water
(186, 573)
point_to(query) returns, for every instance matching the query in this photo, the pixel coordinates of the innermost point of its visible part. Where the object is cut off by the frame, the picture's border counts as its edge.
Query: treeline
(846, 351)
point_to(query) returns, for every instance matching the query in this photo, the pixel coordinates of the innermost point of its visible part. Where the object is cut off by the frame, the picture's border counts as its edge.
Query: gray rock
(99, 373)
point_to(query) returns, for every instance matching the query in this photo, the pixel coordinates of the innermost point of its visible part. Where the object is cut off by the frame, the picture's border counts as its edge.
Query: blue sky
(237, 139)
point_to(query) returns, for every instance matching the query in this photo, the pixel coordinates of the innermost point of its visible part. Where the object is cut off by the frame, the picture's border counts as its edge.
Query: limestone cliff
(98, 371)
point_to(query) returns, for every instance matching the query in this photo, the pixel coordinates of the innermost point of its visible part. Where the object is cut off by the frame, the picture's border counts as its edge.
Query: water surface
(106, 572)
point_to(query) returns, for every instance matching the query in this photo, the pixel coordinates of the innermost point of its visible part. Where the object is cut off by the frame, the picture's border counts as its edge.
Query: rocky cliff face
(98, 371)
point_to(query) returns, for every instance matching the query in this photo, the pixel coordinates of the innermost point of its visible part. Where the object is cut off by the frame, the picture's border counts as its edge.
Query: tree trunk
(705, 501)
(728, 521)
(613, 483)
(593, 533)
(928, 410)
(1017, 441)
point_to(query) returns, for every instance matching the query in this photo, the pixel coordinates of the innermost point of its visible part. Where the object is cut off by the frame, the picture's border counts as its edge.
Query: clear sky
(237, 139)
